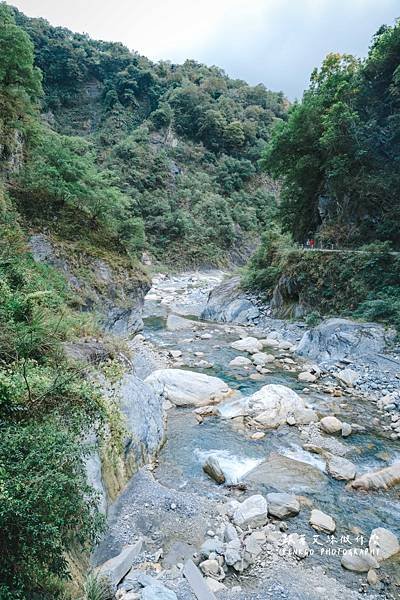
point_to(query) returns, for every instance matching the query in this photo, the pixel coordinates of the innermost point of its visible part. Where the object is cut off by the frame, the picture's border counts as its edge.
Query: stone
(197, 582)
(383, 544)
(212, 568)
(286, 474)
(340, 468)
(261, 358)
(346, 429)
(115, 569)
(372, 577)
(307, 377)
(240, 361)
(175, 353)
(253, 543)
(253, 512)
(258, 435)
(320, 521)
(188, 388)
(330, 424)
(359, 560)
(212, 545)
(270, 407)
(158, 592)
(298, 545)
(177, 323)
(282, 505)
(230, 533)
(248, 344)
(381, 479)
(232, 552)
(347, 376)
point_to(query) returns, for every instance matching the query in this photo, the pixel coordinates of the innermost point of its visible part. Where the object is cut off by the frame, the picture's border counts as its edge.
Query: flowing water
(356, 514)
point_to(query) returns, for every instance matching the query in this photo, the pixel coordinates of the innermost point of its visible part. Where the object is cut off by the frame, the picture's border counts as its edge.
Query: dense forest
(338, 158)
(165, 156)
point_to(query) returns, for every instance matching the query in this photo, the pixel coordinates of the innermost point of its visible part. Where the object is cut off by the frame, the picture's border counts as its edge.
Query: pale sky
(276, 42)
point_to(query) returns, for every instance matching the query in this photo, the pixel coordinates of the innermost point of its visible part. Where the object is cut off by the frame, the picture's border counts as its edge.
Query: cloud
(277, 42)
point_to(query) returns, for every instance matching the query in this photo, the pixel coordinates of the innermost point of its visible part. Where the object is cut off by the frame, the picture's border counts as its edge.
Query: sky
(275, 42)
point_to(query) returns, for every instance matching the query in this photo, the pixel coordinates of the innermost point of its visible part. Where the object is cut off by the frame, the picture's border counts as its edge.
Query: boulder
(322, 522)
(248, 344)
(253, 512)
(214, 585)
(335, 339)
(282, 505)
(114, 569)
(381, 479)
(261, 358)
(383, 544)
(330, 424)
(228, 303)
(177, 323)
(298, 545)
(359, 560)
(214, 469)
(270, 407)
(286, 474)
(347, 376)
(188, 388)
(307, 377)
(210, 546)
(340, 468)
(240, 361)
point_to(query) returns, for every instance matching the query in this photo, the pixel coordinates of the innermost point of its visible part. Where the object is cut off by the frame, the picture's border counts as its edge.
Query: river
(173, 503)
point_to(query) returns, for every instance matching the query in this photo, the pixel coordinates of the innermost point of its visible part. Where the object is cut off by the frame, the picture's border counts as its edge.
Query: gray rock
(212, 545)
(227, 303)
(230, 533)
(282, 505)
(158, 592)
(117, 567)
(253, 512)
(359, 560)
(197, 582)
(335, 339)
(213, 469)
(347, 376)
(340, 468)
(383, 543)
(188, 388)
(331, 424)
(322, 522)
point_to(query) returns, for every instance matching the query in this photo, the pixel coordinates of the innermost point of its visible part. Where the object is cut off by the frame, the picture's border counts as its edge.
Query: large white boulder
(188, 388)
(383, 544)
(322, 522)
(340, 468)
(378, 480)
(248, 344)
(270, 407)
(253, 512)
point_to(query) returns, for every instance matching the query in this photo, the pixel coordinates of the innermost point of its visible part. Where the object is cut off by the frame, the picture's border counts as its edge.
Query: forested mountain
(166, 154)
(338, 154)
(338, 158)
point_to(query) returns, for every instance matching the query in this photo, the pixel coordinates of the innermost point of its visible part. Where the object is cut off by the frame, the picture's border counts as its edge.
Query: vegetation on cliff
(338, 158)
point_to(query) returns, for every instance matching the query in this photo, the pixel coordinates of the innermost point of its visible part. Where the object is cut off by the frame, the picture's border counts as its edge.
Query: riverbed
(174, 503)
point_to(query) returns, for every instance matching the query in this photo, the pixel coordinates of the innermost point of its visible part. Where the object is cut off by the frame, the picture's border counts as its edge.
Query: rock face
(187, 388)
(282, 505)
(378, 480)
(270, 407)
(117, 293)
(383, 544)
(253, 512)
(335, 339)
(322, 522)
(144, 426)
(228, 303)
